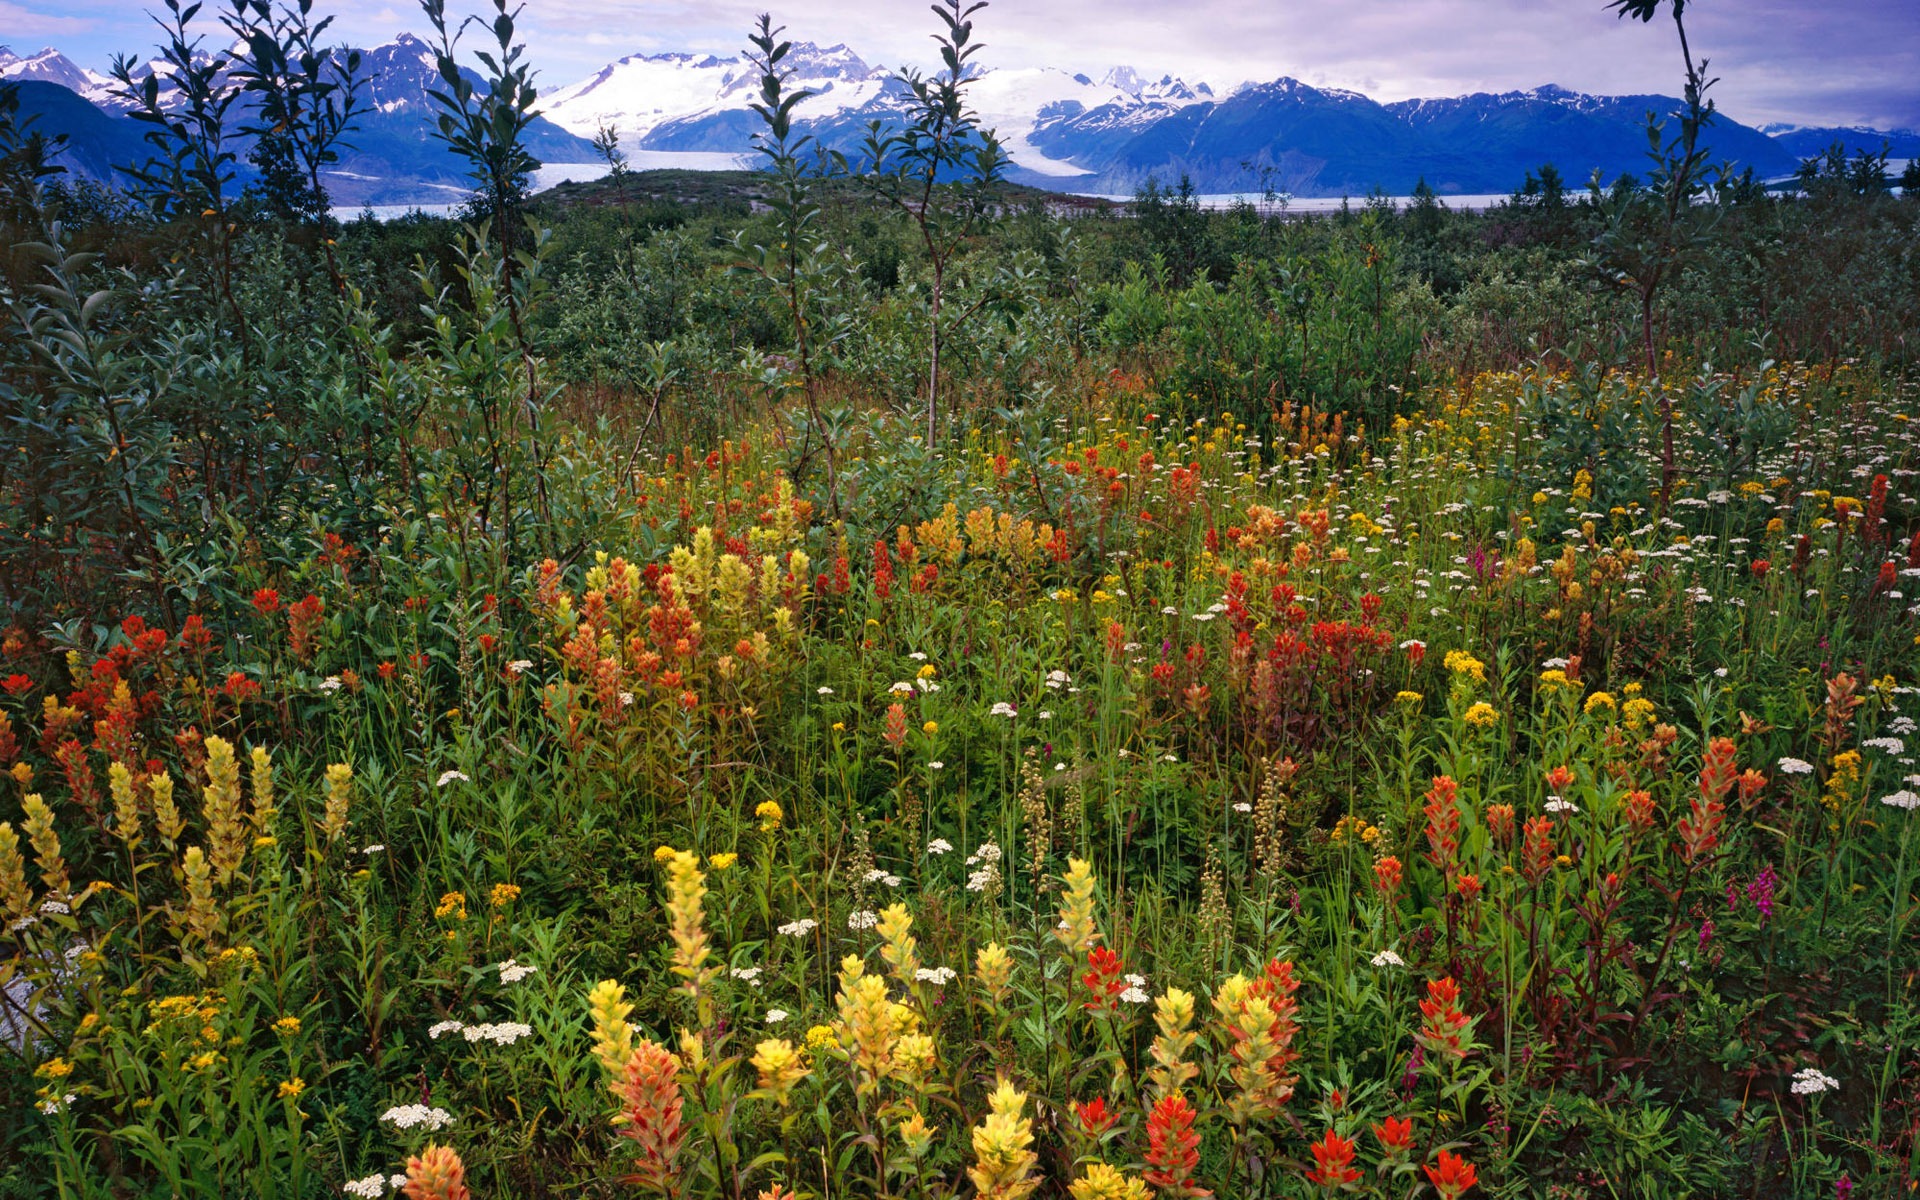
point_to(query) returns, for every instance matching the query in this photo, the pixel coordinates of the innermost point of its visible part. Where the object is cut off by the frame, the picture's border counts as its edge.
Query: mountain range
(393, 158)
(1063, 130)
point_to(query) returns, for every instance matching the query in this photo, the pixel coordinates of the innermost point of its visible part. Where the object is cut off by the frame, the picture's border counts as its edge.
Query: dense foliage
(586, 714)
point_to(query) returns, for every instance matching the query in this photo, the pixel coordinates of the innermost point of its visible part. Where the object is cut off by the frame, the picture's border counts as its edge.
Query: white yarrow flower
(408, 1116)
(1811, 1081)
(1795, 766)
(447, 777)
(1387, 958)
(506, 1033)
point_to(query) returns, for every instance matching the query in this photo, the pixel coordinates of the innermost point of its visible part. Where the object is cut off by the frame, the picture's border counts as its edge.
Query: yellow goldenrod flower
(1408, 698)
(1637, 711)
(820, 1038)
(452, 907)
(770, 815)
(1596, 701)
(722, 861)
(53, 1069)
(1481, 714)
(290, 1089)
(1459, 662)
(503, 894)
(287, 1026)
(663, 852)
(930, 728)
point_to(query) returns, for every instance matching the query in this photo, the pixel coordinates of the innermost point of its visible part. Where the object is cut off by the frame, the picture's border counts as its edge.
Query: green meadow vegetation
(862, 680)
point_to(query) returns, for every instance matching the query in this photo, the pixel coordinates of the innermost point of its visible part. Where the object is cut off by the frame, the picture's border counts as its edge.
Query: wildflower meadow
(1372, 717)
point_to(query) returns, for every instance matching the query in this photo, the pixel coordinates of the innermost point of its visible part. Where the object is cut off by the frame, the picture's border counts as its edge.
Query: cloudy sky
(1811, 61)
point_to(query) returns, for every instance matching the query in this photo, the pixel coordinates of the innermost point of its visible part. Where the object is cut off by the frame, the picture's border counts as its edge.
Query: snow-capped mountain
(1806, 141)
(642, 92)
(1106, 134)
(392, 156)
(51, 66)
(685, 102)
(1024, 105)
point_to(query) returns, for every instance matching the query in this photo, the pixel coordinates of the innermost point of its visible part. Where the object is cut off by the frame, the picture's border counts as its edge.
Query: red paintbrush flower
(1395, 1135)
(1452, 1176)
(1333, 1161)
(1173, 1148)
(1095, 1117)
(1444, 1028)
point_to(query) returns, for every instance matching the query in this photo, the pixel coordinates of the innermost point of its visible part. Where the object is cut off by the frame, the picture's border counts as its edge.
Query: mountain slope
(1805, 141)
(98, 143)
(392, 158)
(51, 66)
(1061, 129)
(1485, 141)
(1297, 138)
(1326, 142)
